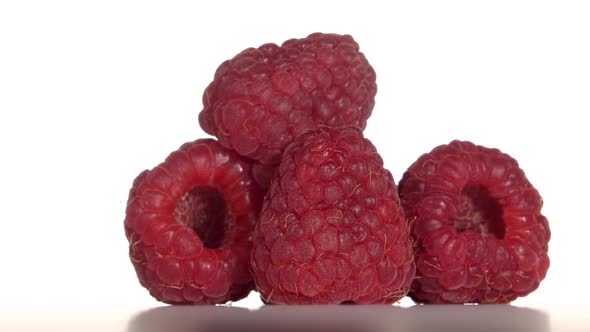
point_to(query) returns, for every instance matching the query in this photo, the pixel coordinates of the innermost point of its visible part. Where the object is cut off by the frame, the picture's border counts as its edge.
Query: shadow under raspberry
(353, 318)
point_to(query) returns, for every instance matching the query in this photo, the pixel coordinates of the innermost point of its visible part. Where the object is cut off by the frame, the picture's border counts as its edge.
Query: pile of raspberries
(294, 202)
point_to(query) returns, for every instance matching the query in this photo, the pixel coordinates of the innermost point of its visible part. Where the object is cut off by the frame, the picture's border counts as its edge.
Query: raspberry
(264, 97)
(478, 226)
(263, 174)
(331, 229)
(189, 222)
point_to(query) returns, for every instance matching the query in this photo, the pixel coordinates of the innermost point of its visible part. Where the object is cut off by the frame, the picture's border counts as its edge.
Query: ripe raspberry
(478, 225)
(263, 174)
(331, 229)
(263, 98)
(189, 224)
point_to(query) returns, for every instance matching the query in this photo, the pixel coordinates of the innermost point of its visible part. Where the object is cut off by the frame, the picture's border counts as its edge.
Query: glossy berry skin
(477, 224)
(264, 97)
(331, 228)
(189, 223)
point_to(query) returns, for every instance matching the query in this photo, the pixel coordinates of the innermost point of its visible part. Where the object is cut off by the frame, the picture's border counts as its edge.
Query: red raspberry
(189, 223)
(263, 174)
(264, 97)
(478, 225)
(331, 229)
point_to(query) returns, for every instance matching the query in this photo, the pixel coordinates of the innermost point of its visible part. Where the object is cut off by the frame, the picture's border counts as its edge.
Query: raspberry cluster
(293, 201)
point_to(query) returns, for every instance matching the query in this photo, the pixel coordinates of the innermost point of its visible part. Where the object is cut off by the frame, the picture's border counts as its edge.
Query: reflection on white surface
(342, 318)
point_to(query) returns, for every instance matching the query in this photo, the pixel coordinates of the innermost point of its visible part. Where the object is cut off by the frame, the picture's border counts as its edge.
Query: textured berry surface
(264, 97)
(331, 229)
(477, 224)
(189, 223)
(263, 174)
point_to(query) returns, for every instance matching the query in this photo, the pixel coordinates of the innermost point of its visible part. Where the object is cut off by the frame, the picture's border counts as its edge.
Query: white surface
(443, 318)
(91, 93)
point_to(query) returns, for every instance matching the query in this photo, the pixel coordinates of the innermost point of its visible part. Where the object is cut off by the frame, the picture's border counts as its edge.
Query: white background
(93, 92)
